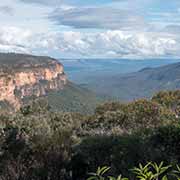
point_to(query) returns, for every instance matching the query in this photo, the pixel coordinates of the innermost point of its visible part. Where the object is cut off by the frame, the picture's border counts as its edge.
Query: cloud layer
(94, 17)
(120, 44)
(91, 28)
(7, 10)
(111, 43)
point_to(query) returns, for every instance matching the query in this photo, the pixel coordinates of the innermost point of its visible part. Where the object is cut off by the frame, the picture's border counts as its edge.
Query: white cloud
(14, 39)
(13, 35)
(112, 43)
(13, 48)
(23, 15)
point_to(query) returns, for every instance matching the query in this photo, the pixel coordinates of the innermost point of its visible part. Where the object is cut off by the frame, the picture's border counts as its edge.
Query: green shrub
(116, 118)
(150, 171)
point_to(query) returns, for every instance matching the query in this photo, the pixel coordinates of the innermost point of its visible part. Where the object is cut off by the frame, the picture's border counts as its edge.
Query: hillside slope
(140, 84)
(74, 98)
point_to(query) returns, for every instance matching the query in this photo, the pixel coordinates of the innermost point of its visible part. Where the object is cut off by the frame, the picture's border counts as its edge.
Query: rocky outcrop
(30, 79)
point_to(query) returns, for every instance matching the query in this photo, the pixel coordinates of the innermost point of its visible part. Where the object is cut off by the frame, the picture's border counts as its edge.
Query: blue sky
(91, 28)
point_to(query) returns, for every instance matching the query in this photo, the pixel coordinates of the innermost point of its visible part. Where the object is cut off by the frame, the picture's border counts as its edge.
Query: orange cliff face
(29, 81)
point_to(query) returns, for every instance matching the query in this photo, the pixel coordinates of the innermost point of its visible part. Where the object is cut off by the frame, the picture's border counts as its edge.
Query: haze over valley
(82, 71)
(111, 77)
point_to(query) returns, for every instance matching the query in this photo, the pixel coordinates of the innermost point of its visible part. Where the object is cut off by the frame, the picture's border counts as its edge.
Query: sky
(91, 28)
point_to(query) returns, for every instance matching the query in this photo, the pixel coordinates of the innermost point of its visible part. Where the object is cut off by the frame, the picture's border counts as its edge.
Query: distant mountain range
(85, 71)
(143, 83)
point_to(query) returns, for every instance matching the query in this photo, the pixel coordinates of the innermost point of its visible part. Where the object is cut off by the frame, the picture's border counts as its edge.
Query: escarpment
(23, 76)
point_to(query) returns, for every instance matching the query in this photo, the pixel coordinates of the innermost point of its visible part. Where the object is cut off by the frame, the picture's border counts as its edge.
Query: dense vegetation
(37, 143)
(74, 99)
(150, 171)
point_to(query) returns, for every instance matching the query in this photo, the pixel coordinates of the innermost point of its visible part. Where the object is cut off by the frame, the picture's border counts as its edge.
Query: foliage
(169, 99)
(37, 145)
(117, 118)
(40, 144)
(150, 171)
(74, 98)
(123, 152)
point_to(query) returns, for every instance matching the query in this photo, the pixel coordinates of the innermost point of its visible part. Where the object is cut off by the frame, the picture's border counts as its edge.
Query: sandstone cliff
(23, 76)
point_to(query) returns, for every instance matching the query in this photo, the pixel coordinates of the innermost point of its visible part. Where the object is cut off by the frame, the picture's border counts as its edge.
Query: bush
(150, 171)
(169, 99)
(38, 144)
(116, 118)
(37, 147)
(123, 152)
